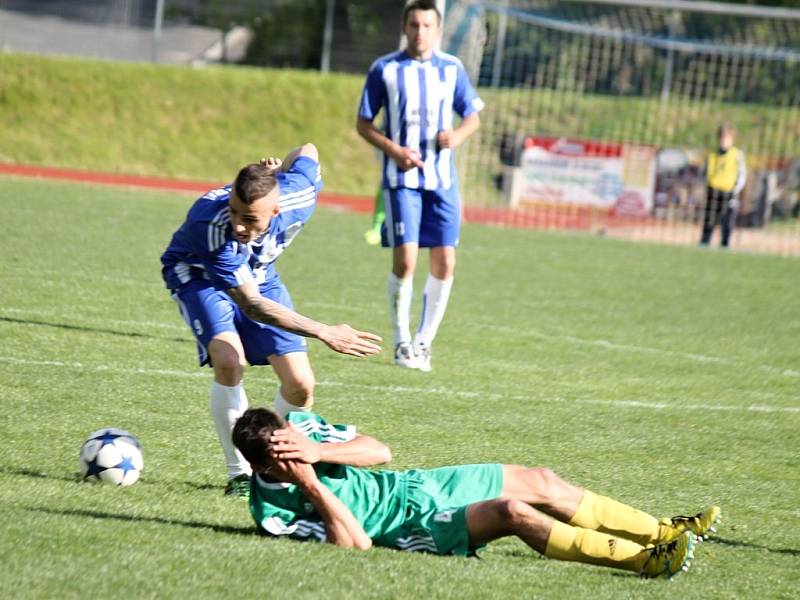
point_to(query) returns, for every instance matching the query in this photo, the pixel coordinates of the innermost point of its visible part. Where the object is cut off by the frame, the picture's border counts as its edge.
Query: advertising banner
(619, 177)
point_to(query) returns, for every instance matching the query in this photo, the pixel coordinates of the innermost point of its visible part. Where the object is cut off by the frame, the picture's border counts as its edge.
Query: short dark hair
(252, 431)
(421, 5)
(253, 182)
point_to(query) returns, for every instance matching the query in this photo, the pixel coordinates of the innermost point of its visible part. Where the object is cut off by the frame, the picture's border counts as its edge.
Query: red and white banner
(588, 173)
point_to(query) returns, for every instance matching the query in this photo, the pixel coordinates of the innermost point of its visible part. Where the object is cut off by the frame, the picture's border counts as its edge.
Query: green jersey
(410, 510)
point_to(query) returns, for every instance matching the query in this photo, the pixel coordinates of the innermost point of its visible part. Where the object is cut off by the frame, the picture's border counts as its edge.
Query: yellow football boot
(700, 524)
(667, 560)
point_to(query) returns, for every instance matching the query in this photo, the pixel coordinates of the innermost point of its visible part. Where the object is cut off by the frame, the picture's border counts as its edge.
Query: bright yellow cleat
(669, 559)
(700, 524)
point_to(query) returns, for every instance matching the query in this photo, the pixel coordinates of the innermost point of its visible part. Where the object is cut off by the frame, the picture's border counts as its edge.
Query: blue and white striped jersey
(418, 99)
(204, 246)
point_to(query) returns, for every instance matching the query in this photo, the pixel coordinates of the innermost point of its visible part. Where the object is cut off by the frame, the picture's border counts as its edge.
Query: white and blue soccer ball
(111, 456)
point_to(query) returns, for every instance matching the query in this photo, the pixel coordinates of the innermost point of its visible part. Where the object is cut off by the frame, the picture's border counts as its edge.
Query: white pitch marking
(120, 322)
(638, 349)
(499, 328)
(382, 389)
(102, 368)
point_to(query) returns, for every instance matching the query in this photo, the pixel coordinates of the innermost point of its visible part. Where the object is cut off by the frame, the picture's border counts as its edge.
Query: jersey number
(198, 327)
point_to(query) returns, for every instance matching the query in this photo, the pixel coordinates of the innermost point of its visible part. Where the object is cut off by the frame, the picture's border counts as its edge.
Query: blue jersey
(204, 247)
(418, 99)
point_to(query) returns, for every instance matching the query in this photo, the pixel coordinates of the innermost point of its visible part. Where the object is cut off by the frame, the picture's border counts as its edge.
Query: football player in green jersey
(311, 483)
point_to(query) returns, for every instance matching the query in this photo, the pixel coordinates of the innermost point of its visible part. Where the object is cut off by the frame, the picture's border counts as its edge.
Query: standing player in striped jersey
(219, 267)
(418, 90)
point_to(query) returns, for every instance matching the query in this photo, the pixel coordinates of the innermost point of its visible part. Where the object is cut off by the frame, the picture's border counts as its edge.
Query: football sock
(227, 404)
(378, 213)
(609, 516)
(400, 292)
(434, 303)
(584, 545)
(283, 407)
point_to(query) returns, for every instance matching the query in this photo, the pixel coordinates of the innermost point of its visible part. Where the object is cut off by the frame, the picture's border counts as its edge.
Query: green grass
(666, 377)
(177, 121)
(205, 123)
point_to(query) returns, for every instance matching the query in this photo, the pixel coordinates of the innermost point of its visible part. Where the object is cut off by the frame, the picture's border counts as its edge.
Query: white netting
(646, 86)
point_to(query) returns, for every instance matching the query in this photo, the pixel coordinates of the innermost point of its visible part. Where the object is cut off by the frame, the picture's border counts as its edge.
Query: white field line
(422, 391)
(360, 308)
(702, 358)
(119, 322)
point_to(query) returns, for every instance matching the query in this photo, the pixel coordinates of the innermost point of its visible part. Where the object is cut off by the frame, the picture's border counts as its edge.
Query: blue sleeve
(224, 264)
(465, 100)
(373, 95)
(304, 172)
(299, 187)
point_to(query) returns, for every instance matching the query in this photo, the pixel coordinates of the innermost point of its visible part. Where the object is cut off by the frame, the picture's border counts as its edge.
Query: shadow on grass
(744, 544)
(82, 328)
(36, 474)
(96, 514)
(76, 478)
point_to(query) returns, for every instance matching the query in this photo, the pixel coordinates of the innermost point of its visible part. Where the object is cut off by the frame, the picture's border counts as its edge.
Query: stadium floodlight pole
(719, 8)
(157, 26)
(327, 37)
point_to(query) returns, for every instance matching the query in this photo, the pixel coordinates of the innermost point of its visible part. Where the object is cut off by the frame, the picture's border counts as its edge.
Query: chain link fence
(277, 33)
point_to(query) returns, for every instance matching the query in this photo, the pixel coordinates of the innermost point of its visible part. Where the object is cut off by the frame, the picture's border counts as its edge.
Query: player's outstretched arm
(361, 451)
(341, 526)
(340, 338)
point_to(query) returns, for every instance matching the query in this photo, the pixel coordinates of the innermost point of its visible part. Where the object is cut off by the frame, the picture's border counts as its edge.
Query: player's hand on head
(292, 471)
(288, 444)
(272, 163)
(346, 340)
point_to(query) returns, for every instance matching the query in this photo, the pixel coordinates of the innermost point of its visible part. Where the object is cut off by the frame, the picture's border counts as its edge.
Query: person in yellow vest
(725, 177)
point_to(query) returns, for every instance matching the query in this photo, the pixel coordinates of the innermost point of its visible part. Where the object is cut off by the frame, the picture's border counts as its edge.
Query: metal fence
(646, 81)
(600, 114)
(326, 34)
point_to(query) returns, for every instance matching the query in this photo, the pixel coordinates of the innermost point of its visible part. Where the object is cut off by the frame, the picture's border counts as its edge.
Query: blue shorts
(209, 312)
(431, 218)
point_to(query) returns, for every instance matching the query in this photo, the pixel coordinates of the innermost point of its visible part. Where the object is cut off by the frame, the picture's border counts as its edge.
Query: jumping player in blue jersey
(219, 268)
(419, 89)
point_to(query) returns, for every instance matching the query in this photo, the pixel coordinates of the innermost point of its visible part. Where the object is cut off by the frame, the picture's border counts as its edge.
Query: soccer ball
(111, 456)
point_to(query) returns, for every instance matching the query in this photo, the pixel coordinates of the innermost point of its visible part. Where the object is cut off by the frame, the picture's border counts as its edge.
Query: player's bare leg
(493, 519)
(227, 402)
(296, 391)
(400, 290)
(434, 303)
(549, 493)
(543, 489)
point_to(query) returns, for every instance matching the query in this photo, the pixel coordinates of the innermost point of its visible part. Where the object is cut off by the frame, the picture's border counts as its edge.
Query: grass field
(666, 377)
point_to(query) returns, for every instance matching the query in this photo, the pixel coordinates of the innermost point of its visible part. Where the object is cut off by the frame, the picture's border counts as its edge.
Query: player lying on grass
(311, 483)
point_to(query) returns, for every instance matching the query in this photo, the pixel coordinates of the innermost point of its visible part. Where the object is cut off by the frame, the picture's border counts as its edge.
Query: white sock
(283, 407)
(400, 292)
(434, 303)
(227, 404)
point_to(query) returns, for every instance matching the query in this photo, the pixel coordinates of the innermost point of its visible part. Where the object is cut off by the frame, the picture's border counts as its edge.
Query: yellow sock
(620, 520)
(584, 545)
